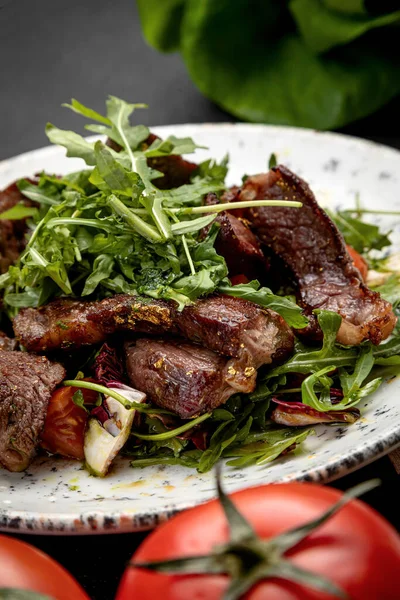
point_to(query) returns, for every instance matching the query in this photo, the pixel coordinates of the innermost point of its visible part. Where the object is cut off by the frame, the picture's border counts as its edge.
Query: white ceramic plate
(58, 496)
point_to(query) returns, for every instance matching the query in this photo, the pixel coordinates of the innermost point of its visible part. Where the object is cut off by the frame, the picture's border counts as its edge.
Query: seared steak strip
(65, 324)
(26, 385)
(182, 377)
(237, 244)
(315, 253)
(252, 336)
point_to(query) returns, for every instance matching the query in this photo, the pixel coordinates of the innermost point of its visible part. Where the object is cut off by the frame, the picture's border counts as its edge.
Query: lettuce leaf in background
(250, 56)
(161, 20)
(323, 29)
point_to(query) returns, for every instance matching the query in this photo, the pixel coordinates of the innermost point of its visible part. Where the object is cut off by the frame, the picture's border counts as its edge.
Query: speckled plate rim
(96, 522)
(92, 522)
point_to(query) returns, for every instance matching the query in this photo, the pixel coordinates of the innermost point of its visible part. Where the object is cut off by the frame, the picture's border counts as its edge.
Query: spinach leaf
(260, 76)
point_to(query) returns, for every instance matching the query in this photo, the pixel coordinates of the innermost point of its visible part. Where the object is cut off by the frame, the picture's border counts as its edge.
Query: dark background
(53, 50)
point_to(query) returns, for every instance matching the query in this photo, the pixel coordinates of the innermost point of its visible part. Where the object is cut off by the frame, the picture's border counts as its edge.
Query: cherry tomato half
(65, 423)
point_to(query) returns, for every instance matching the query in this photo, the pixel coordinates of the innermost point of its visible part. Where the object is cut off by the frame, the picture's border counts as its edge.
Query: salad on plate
(151, 311)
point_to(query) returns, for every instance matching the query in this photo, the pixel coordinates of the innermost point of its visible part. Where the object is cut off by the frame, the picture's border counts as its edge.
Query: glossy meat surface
(230, 326)
(314, 251)
(179, 376)
(26, 384)
(237, 244)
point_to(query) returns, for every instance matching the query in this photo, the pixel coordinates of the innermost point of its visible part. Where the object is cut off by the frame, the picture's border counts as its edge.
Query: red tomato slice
(358, 261)
(356, 549)
(65, 423)
(24, 567)
(238, 279)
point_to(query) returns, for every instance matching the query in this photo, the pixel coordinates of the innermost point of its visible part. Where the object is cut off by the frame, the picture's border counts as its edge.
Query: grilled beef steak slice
(315, 253)
(252, 336)
(230, 326)
(69, 324)
(26, 385)
(12, 233)
(182, 377)
(237, 244)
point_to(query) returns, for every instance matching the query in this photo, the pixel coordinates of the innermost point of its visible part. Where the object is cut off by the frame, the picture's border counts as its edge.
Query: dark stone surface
(51, 51)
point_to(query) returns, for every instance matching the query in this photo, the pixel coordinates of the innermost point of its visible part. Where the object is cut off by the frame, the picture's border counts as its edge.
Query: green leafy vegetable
(19, 211)
(264, 297)
(362, 236)
(79, 400)
(323, 28)
(261, 76)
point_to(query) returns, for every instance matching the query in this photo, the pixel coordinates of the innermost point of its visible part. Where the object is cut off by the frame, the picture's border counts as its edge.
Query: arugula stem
(216, 208)
(136, 223)
(188, 255)
(102, 389)
(173, 432)
(78, 221)
(38, 257)
(369, 211)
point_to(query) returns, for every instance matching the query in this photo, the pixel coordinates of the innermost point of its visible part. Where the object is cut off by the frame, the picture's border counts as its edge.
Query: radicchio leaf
(297, 414)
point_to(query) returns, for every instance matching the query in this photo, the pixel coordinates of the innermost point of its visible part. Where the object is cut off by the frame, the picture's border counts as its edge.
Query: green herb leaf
(361, 236)
(75, 144)
(18, 211)
(89, 113)
(79, 400)
(264, 297)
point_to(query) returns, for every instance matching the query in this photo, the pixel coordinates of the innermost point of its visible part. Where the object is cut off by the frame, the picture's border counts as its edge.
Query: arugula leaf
(89, 113)
(310, 360)
(171, 146)
(18, 211)
(262, 448)
(361, 236)
(212, 170)
(75, 144)
(79, 400)
(115, 176)
(102, 268)
(390, 290)
(118, 112)
(37, 193)
(264, 297)
(273, 161)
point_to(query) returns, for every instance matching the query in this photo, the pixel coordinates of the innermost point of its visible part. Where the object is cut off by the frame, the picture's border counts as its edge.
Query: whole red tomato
(24, 567)
(65, 423)
(356, 549)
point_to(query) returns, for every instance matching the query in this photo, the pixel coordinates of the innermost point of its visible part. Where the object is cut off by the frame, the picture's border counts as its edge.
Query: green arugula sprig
(109, 229)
